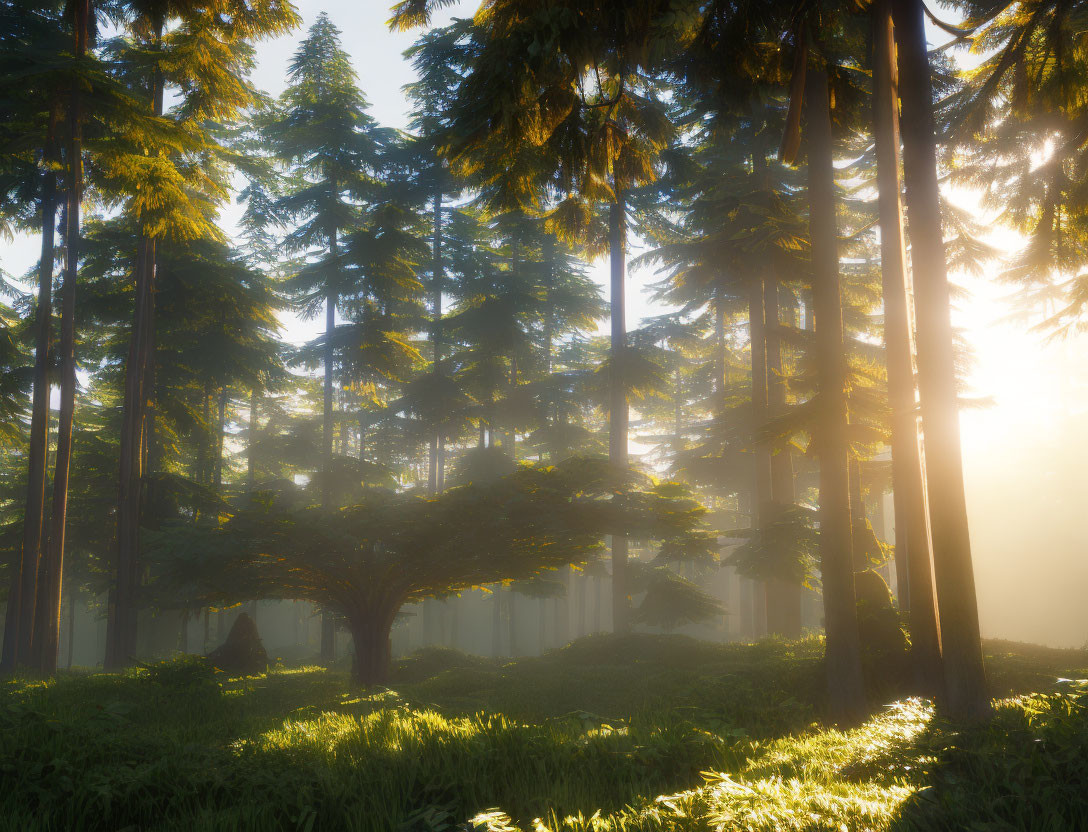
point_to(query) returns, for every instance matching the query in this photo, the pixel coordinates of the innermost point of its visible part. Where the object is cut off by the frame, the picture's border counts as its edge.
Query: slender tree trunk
(328, 632)
(220, 420)
(51, 575)
(721, 356)
(913, 554)
(432, 465)
(251, 441)
(435, 478)
(20, 616)
(617, 397)
(846, 693)
(549, 306)
(762, 508)
(965, 695)
(203, 454)
(513, 390)
(121, 614)
(327, 401)
(49, 598)
(783, 597)
(441, 464)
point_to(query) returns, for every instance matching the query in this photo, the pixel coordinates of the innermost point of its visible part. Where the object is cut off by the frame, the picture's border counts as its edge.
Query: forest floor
(610, 733)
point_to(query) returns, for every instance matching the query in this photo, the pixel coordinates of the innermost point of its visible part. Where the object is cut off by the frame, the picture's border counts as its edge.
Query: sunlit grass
(637, 733)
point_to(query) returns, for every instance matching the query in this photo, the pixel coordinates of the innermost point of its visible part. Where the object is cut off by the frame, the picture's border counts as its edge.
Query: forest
(583, 453)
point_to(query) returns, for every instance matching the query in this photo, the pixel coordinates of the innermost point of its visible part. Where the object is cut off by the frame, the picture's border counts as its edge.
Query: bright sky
(1024, 455)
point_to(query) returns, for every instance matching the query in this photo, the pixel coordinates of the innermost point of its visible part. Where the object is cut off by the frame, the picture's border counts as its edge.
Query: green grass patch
(611, 733)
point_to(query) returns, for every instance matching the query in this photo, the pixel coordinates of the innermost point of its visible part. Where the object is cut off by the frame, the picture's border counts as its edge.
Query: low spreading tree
(391, 548)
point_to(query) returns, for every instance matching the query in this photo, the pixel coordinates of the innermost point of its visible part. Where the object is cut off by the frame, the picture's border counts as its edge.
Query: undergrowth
(611, 733)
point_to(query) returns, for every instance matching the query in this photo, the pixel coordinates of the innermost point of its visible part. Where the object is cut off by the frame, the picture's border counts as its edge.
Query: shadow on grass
(597, 729)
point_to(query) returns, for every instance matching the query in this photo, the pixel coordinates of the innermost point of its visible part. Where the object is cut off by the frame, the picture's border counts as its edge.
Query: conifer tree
(331, 148)
(961, 640)
(171, 191)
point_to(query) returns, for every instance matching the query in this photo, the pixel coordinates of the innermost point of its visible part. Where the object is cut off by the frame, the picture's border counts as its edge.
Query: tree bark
(762, 505)
(617, 397)
(846, 693)
(783, 597)
(720, 355)
(220, 420)
(328, 633)
(121, 613)
(965, 695)
(371, 635)
(436, 478)
(913, 553)
(19, 619)
(47, 626)
(251, 441)
(52, 572)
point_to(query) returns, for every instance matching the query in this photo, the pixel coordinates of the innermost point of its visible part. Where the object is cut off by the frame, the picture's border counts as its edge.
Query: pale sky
(1024, 456)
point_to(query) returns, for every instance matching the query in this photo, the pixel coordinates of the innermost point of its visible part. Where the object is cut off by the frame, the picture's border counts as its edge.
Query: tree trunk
(328, 633)
(50, 577)
(549, 306)
(327, 404)
(220, 419)
(251, 441)
(47, 625)
(913, 554)
(846, 693)
(617, 398)
(432, 465)
(437, 461)
(783, 597)
(762, 505)
(121, 613)
(371, 635)
(720, 354)
(961, 641)
(20, 617)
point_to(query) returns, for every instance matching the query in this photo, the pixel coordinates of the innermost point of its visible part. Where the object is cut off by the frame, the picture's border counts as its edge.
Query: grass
(611, 733)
